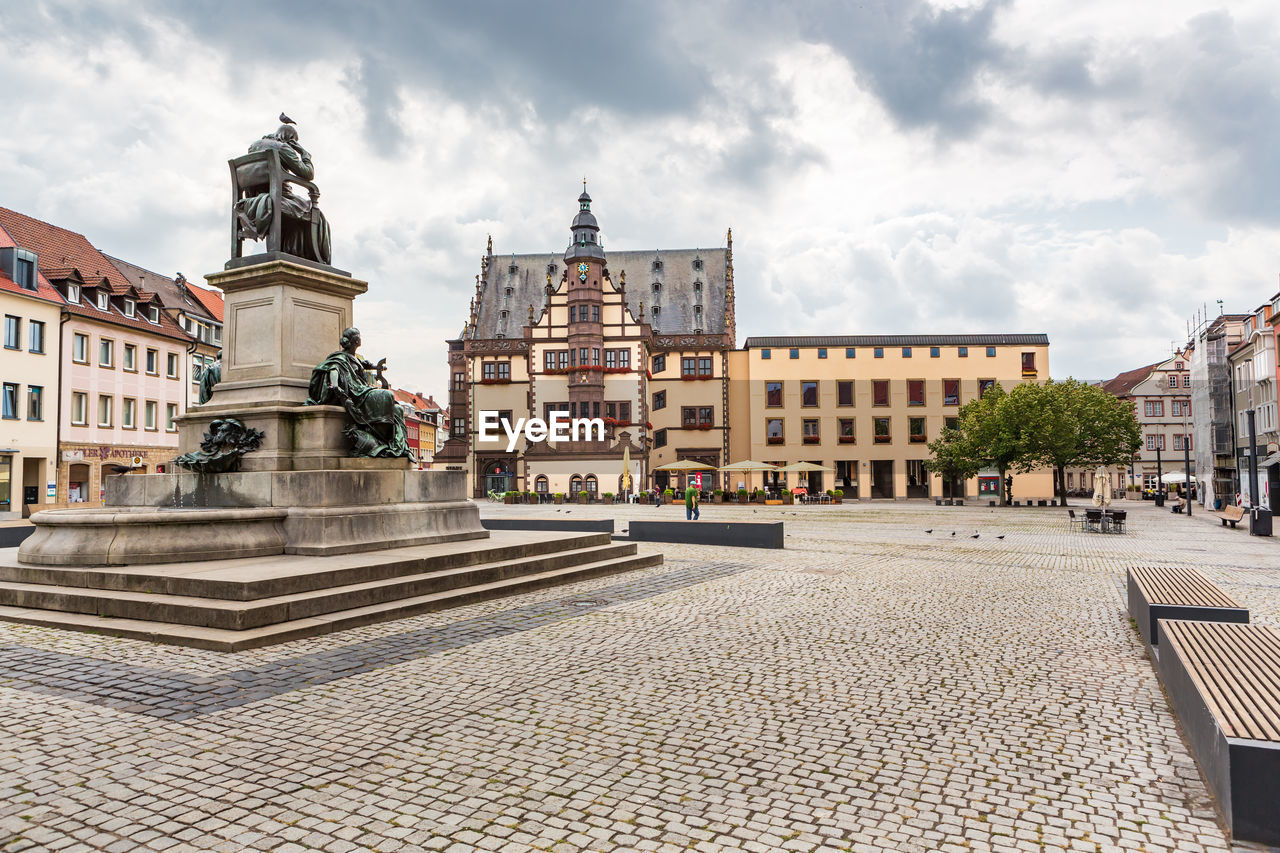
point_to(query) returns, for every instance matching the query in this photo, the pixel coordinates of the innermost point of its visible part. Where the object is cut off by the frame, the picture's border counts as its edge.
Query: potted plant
(719, 493)
(509, 497)
(787, 498)
(559, 497)
(533, 497)
(669, 495)
(583, 497)
(608, 497)
(837, 496)
(742, 496)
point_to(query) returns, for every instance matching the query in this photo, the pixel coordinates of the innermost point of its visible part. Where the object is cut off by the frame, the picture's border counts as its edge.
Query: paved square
(874, 686)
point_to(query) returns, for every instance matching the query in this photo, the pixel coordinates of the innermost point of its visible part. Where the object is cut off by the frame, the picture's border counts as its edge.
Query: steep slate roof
(676, 298)
(170, 292)
(897, 341)
(66, 254)
(1124, 383)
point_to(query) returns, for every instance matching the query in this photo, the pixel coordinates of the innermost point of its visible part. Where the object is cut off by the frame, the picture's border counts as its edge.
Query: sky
(1096, 171)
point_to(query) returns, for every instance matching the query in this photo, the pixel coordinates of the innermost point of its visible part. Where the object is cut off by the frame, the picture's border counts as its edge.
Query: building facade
(124, 364)
(1161, 397)
(866, 407)
(1214, 416)
(640, 339)
(1253, 388)
(31, 311)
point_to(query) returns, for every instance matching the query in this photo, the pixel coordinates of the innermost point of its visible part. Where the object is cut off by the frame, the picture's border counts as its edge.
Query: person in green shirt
(690, 504)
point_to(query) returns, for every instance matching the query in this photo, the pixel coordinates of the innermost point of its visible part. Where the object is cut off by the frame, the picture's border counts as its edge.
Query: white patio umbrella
(747, 466)
(804, 468)
(1176, 477)
(1102, 487)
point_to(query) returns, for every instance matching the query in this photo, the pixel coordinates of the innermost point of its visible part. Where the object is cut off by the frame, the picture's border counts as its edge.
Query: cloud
(970, 166)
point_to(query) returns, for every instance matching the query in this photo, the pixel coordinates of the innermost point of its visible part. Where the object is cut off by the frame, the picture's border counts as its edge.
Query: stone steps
(230, 624)
(254, 578)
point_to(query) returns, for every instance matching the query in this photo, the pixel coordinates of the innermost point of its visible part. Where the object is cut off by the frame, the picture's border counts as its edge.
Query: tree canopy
(1059, 424)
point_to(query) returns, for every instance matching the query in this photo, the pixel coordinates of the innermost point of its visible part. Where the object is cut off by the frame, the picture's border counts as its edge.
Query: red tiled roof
(58, 247)
(61, 252)
(1121, 385)
(43, 290)
(210, 299)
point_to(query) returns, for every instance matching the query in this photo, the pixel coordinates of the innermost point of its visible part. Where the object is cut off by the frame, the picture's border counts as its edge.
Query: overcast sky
(1093, 170)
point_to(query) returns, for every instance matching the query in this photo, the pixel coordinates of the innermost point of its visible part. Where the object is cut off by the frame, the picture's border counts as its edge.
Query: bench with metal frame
(1164, 592)
(1233, 515)
(1223, 682)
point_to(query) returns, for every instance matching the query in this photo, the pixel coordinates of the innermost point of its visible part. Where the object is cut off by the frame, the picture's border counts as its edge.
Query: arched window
(591, 485)
(575, 484)
(540, 485)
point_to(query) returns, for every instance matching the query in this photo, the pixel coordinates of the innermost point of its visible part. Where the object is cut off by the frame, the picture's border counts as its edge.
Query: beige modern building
(31, 310)
(866, 406)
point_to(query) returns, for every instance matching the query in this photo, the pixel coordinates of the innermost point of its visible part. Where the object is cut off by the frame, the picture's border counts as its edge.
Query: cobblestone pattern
(873, 687)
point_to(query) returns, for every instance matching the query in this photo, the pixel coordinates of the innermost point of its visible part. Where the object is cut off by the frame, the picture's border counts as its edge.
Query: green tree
(988, 434)
(1069, 423)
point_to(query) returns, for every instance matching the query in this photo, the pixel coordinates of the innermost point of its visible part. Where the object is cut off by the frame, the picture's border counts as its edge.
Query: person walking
(690, 504)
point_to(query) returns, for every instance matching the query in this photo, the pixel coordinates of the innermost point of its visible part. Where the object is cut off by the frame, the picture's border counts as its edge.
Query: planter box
(559, 499)
(508, 499)
(788, 499)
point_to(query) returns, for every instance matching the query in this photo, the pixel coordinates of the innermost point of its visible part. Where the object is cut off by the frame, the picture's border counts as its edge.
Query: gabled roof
(59, 248)
(63, 254)
(673, 270)
(1124, 383)
(210, 299)
(179, 296)
(43, 291)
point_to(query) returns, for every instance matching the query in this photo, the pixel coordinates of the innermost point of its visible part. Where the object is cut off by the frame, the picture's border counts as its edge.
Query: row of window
(128, 306)
(881, 430)
(689, 365)
(1180, 442)
(13, 334)
(1155, 408)
(578, 314)
(584, 356)
(128, 412)
(129, 359)
(10, 402)
(1028, 358)
(774, 392)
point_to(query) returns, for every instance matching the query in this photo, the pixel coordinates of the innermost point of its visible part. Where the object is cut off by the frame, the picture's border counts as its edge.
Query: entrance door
(917, 479)
(882, 478)
(6, 481)
(78, 487)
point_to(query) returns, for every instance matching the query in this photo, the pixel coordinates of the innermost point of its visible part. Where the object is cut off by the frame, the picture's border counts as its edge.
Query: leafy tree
(1070, 423)
(987, 435)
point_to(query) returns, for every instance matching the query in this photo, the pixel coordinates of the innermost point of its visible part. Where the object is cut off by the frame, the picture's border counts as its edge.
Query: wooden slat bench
(1177, 593)
(1223, 681)
(1232, 515)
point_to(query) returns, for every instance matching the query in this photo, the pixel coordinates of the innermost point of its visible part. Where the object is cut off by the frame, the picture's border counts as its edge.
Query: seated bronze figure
(265, 208)
(375, 421)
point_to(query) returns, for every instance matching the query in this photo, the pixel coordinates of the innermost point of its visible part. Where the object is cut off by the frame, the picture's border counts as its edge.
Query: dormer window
(657, 266)
(697, 287)
(153, 314)
(513, 269)
(697, 314)
(73, 294)
(508, 291)
(104, 301)
(657, 289)
(19, 265)
(551, 269)
(130, 308)
(656, 312)
(697, 264)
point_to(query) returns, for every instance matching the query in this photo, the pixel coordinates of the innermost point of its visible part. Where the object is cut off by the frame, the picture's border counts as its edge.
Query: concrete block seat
(737, 534)
(1223, 681)
(1177, 593)
(228, 605)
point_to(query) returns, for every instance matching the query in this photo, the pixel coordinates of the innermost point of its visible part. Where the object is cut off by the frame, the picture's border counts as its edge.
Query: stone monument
(300, 510)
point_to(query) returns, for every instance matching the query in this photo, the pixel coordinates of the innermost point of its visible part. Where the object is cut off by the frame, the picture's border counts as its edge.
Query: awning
(1270, 460)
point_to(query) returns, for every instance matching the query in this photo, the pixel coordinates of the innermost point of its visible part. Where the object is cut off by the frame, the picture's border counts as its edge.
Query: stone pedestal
(300, 492)
(282, 319)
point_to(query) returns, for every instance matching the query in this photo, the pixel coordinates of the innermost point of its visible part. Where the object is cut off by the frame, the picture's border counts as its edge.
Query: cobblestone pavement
(875, 686)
